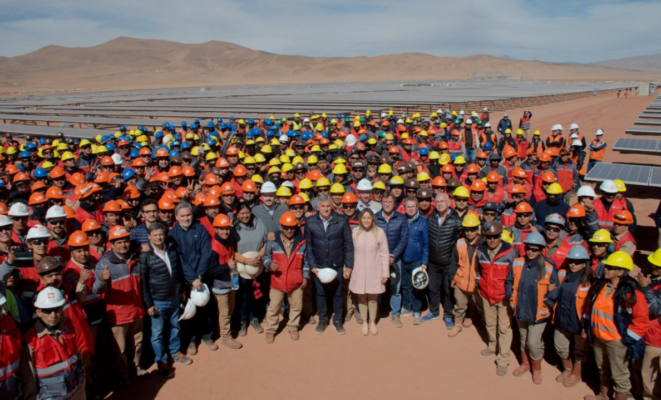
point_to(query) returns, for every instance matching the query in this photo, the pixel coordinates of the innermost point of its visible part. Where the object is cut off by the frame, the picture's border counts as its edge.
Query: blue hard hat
(122, 128)
(424, 151)
(20, 168)
(135, 153)
(177, 136)
(195, 126)
(183, 123)
(232, 118)
(219, 120)
(362, 138)
(110, 147)
(251, 121)
(535, 238)
(42, 141)
(324, 134)
(210, 124)
(175, 143)
(39, 172)
(487, 146)
(158, 135)
(306, 136)
(578, 252)
(76, 140)
(24, 154)
(166, 125)
(105, 138)
(270, 133)
(185, 146)
(141, 128)
(211, 142)
(197, 121)
(30, 146)
(339, 115)
(128, 173)
(452, 157)
(174, 153)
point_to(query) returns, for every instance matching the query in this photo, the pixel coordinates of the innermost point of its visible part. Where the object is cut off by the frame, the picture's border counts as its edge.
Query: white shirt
(163, 255)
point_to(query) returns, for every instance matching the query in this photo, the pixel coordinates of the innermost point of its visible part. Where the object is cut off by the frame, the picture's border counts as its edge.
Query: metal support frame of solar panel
(628, 144)
(641, 130)
(630, 174)
(50, 131)
(648, 121)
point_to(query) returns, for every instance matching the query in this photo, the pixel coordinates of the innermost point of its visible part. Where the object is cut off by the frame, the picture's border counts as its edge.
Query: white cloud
(601, 30)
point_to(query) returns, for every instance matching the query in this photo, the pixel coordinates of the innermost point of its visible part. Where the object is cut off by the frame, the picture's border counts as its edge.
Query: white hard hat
(283, 138)
(420, 278)
(573, 136)
(38, 232)
(487, 125)
(469, 121)
(189, 311)
(461, 112)
(608, 186)
(287, 184)
(200, 297)
(576, 142)
(306, 119)
(364, 184)
(473, 114)
(117, 159)
(573, 126)
(49, 297)
(384, 115)
(586, 191)
(485, 109)
(167, 139)
(554, 127)
(56, 212)
(439, 111)
(559, 127)
(351, 140)
(400, 121)
(599, 132)
(5, 220)
(19, 210)
(268, 187)
(326, 275)
(248, 271)
(505, 115)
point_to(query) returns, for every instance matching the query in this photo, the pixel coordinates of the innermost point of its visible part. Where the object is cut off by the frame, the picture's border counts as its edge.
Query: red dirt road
(412, 362)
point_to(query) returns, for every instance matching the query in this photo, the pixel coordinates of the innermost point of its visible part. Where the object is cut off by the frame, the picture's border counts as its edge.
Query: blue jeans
(168, 310)
(330, 290)
(396, 295)
(470, 156)
(412, 298)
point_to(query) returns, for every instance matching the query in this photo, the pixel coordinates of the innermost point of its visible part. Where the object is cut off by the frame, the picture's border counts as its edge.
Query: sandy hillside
(127, 63)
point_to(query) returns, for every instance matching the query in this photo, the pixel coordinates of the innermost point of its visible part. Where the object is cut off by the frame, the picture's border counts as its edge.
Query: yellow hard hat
(315, 149)
(273, 170)
(554, 188)
(340, 161)
(379, 185)
(461, 191)
(423, 177)
(118, 134)
(211, 156)
(508, 130)
(519, 131)
(286, 167)
(445, 158)
(619, 184)
(297, 160)
(290, 153)
(259, 158)
(275, 142)
(423, 134)
(283, 191)
(68, 156)
(389, 136)
(62, 147)
(340, 169)
(601, 236)
(47, 165)
(98, 138)
(11, 150)
(100, 149)
(396, 180)
(275, 162)
(312, 160)
(55, 143)
(337, 188)
(305, 196)
(385, 169)
(297, 115)
(305, 184)
(195, 151)
(319, 127)
(249, 161)
(356, 124)
(434, 155)
(284, 159)
(323, 181)
(459, 160)
(454, 113)
(444, 125)
(505, 235)
(537, 132)
(619, 259)
(257, 178)
(655, 258)
(470, 220)
(371, 141)
(266, 149)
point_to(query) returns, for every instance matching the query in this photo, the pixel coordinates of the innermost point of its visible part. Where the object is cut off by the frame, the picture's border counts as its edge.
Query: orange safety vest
(602, 319)
(543, 311)
(597, 155)
(584, 167)
(555, 143)
(606, 218)
(498, 195)
(465, 276)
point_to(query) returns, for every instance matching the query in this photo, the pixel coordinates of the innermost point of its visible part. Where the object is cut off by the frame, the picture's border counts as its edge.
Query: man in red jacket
(290, 272)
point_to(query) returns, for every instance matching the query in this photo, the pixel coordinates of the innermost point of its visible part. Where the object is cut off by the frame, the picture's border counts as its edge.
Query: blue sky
(556, 31)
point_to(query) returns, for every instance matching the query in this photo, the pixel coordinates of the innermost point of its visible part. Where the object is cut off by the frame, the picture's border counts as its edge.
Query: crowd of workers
(198, 233)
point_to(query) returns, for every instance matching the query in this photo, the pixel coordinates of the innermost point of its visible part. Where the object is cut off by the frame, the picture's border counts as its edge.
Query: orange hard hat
(12, 169)
(443, 146)
(174, 171)
(438, 182)
(21, 177)
(131, 192)
(188, 171)
(232, 151)
(222, 163)
(102, 177)
(77, 179)
(37, 199)
(118, 232)
(211, 180)
(482, 155)
(249, 186)
(222, 221)
(240, 171)
(545, 157)
(296, 199)
(112, 206)
(548, 177)
(478, 185)
(199, 198)
(138, 162)
(163, 177)
(124, 204)
(3, 209)
(165, 203)
(407, 141)
(107, 161)
(449, 168)
(211, 201)
(227, 189)
(181, 192)
(516, 188)
(509, 152)
(623, 217)
(288, 218)
(522, 208)
(57, 172)
(349, 198)
(394, 149)
(145, 151)
(493, 177)
(314, 175)
(576, 211)
(78, 239)
(472, 169)
(71, 214)
(214, 191)
(518, 172)
(162, 153)
(38, 185)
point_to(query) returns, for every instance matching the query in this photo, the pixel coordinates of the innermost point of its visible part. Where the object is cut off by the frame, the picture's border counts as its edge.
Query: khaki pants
(562, 341)
(531, 337)
(127, 337)
(368, 303)
(613, 364)
(650, 372)
(463, 300)
(497, 318)
(295, 299)
(225, 310)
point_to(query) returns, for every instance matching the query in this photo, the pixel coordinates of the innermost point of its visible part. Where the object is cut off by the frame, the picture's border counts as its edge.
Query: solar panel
(630, 174)
(655, 177)
(637, 145)
(648, 121)
(51, 131)
(640, 130)
(648, 114)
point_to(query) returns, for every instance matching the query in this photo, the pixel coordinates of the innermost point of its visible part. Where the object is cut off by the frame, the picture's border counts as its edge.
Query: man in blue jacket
(415, 255)
(395, 226)
(194, 248)
(330, 245)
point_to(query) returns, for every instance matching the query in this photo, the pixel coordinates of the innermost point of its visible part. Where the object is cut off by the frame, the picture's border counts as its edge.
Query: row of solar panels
(638, 175)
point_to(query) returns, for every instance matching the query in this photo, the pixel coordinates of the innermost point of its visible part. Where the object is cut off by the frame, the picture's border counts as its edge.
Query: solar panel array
(630, 174)
(638, 145)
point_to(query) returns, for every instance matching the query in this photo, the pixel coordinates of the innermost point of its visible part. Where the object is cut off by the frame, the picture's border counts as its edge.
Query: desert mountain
(128, 63)
(641, 63)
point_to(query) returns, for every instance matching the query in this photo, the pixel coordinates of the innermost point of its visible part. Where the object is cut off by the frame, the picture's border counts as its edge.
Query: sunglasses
(457, 200)
(491, 237)
(611, 268)
(287, 228)
(96, 232)
(56, 223)
(296, 208)
(533, 249)
(524, 215)
(49, 311)
(472, 229)
(19, 218)
(350, 205)
(39, 242)
(553, 229)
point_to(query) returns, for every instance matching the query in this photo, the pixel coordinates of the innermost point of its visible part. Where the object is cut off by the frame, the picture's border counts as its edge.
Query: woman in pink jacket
(370, 267)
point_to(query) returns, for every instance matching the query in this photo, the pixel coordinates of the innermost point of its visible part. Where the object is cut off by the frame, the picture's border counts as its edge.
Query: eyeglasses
(599, 244)
(49, 311)
(553, 229)
(533, 249)
(39, 242)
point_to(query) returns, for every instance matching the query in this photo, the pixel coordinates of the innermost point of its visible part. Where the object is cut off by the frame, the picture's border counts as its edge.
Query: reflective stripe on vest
(55, 368)
(601, 320)
(9, 369)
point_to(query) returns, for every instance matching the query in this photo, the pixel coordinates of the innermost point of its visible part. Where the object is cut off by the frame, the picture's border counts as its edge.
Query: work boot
(339, 327)
(270, 337)
(501, 370)
(537, 371)
(397, 321)
(575, 376)
(256, 326)
(231, 343)
(524, 367)
(458, 323)
(192, 349)
(467, 323)
(293, 334)
(602, 395)
(567, 365)
(210, 344)
(244, 329)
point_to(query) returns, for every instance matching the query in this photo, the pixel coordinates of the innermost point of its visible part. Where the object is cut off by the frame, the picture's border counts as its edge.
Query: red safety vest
(628, 237)
(494, 274)
(10, 358)
(124, 296)
(454, 147)
(565, 178)
(543, 311)
(204, 221)
(290, 272)
(606, 218)
(498, 195)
